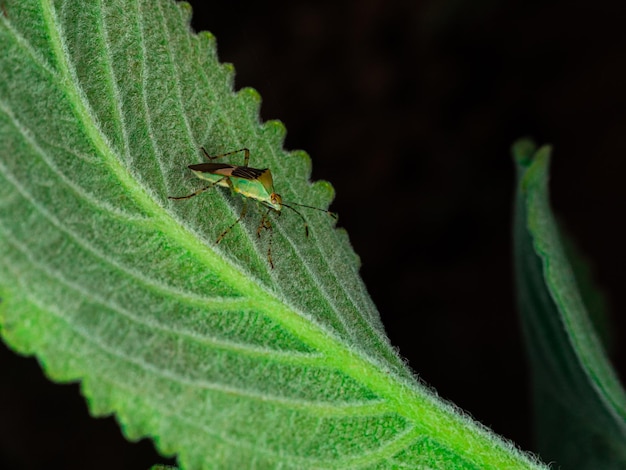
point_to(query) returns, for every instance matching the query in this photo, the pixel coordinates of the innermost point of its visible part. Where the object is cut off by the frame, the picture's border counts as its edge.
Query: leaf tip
(207, 38)
(325, 190)
(523, 151)
(250, 94)
(186, 10)
(304, 159)
(275, 131)
(251, 100)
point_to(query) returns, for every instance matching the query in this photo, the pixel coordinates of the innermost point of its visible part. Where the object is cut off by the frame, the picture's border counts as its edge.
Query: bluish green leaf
(220, 358)
(579, 404)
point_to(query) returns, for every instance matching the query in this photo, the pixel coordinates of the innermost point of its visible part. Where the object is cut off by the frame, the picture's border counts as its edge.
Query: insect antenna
(306, 226)
(331, 213)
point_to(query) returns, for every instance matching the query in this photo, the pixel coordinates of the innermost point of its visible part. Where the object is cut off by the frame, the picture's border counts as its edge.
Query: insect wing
(248, 173)
(218, 173)
(223, 169)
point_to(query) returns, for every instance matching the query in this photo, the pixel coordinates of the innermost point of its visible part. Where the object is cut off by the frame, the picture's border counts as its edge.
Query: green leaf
(593, 296)
(204, 347)
(579, 404)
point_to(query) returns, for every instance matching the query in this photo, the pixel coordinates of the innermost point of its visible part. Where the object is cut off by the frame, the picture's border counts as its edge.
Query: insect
(251, 183)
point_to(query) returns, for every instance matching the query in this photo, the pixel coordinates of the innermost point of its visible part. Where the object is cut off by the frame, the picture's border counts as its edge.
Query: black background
(409, 108)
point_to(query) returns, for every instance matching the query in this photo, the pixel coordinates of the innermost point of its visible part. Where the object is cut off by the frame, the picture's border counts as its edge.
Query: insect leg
(266, 224)
(269, 248)
(245, 151)
(241, 216)
(199, 191)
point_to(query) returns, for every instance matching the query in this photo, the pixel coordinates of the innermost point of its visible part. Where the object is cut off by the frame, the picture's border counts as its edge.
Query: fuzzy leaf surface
(204, 347)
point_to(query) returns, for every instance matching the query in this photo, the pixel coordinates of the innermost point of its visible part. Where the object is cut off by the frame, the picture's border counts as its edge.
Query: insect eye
(276, 199)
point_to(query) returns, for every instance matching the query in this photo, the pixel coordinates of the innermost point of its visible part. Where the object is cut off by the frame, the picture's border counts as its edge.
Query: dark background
(409, 108)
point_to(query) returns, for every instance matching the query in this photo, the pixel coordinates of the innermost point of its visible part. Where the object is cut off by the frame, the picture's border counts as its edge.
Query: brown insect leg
(266, 224)
(199, 191)
(245, 151)
(241, 216)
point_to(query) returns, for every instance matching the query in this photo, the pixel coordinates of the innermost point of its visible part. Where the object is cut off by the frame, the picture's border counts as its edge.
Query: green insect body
(251, 183)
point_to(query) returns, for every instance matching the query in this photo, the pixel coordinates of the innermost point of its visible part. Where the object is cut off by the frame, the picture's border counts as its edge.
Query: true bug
(251, 183)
